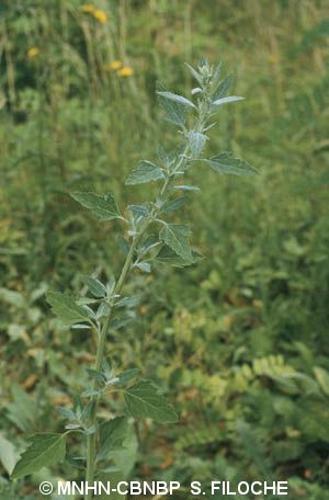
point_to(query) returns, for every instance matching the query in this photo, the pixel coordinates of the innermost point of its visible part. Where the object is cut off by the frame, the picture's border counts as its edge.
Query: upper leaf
(223, 87)
(176, 236)
(145, 171)
(45, 450)
(176, 98)
(65, 307)
(141, 210)
(102, 206)
(127, 376)
(175, 111)
(195, 74)
(143, 400)
(225, 100)
(225, 163)
(168, 256)
(96, 287)
(186, 187)
(172, 205)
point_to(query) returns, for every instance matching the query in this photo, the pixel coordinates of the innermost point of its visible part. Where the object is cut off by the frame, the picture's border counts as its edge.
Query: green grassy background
(238, 342)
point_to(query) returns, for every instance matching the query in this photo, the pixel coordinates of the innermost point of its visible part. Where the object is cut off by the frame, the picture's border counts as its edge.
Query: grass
(68, 123)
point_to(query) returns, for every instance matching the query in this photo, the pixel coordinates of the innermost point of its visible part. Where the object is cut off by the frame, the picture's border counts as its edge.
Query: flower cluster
(120, 68)
(100, 15)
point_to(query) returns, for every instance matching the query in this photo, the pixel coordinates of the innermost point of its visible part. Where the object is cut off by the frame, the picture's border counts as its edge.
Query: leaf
(168, 256)
(197, 142)
(112, 436)
(13, 298)
(8, 454)
(22, 410)
(143, 400)
(96, 288)
(176, 98)
(141, 210)
(131, 301)
(65, 307)
(196, 90)
(195, 73)
(144, 266)
(225, 163)
(176, 236)
(45, 450)
(125, 458)
(145, 171)
(223, 87)
(322, 377)
(102, 206)
(127, 376)
(225, 100)
(174, 111)
(185, 187)
(172, 205)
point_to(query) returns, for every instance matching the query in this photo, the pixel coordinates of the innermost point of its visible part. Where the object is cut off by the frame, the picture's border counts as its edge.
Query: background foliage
(239, 341)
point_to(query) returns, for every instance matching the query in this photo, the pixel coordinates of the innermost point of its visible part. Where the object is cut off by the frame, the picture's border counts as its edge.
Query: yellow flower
(88, 8)
(100, 16)
(33, 52)
(113, 66)
(126, 71)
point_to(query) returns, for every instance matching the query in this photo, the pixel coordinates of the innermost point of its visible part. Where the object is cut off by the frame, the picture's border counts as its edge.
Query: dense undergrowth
(238, 342)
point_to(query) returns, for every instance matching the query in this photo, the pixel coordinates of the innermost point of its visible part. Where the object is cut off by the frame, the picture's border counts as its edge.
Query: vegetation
(237, 341)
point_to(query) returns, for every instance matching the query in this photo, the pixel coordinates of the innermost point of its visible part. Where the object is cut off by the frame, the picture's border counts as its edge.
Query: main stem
(91, 438)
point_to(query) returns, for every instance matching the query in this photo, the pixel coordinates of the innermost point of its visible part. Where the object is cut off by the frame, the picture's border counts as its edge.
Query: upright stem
(91, 438)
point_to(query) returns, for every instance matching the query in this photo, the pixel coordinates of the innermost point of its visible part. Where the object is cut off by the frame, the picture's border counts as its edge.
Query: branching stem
(180, 166)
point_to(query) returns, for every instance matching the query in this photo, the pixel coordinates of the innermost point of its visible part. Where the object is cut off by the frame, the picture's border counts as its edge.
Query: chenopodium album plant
(151, 237)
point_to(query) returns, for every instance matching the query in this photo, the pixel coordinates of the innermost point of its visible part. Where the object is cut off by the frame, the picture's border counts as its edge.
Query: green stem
(91, 438)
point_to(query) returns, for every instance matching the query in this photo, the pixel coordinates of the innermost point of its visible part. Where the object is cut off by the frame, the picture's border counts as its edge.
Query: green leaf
(131, 301)
(65, 307)
(143, 400)
(112, 436)
(168, 256)
(223, 87)
(127, 375)
(125, 458)
(44, 450)
(172, 205)
(96, 288)
(197, 76)
(145, 171)
(102, 206)
(225, 100)
(197, 142)
(13, 298)
(176, 98)
(8, 455)
(22, 410)
(144, 266)
(175, 112)
(141, 210)
(225, 163)
(186, 187)
(322, 377)
(176, 236)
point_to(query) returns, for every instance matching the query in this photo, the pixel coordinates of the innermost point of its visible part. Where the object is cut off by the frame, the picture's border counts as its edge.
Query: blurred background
(239, 343)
